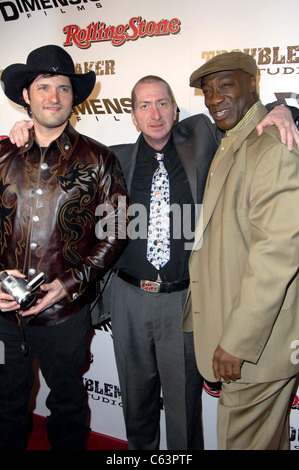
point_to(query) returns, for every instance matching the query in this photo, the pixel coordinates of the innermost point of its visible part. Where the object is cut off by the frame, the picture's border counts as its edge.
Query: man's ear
(134, 120)
(25, 96)
(175, 111)
(252, 83)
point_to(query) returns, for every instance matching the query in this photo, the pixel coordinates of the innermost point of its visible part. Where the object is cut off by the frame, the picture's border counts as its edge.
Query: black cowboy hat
(46, 60)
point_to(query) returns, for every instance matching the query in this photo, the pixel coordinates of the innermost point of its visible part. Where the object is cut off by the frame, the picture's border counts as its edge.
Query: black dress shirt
(133, 259)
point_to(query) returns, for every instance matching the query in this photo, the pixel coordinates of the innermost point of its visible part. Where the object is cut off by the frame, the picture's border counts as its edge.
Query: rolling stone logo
(135, 29)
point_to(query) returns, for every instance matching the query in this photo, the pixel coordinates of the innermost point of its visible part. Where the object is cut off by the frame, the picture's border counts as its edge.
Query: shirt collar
(244, 121)
(149, 152)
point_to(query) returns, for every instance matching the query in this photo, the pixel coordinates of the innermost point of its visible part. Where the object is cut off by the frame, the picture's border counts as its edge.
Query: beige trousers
(255, 416)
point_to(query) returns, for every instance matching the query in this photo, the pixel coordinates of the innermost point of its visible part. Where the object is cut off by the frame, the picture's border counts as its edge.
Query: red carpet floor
(38, 439)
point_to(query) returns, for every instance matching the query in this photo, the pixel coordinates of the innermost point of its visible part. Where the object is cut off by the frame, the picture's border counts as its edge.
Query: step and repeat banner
(122, 41)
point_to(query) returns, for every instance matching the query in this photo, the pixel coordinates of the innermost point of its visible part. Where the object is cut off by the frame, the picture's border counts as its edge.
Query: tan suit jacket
(244, 285)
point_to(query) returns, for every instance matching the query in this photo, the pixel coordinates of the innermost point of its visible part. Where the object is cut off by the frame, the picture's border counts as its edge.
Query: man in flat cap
(243, 304)
(49, 192)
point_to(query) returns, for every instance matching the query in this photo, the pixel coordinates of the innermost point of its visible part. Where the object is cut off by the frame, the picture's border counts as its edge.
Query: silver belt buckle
(150, 286)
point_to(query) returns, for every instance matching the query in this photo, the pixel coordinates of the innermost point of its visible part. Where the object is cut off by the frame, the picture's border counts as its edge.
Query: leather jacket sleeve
(110, 230)
(51, 201)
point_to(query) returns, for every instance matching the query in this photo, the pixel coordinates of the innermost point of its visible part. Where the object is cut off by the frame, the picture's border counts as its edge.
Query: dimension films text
(11, 10)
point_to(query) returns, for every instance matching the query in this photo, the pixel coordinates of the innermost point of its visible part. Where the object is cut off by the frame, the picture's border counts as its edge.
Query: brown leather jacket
(49, 201)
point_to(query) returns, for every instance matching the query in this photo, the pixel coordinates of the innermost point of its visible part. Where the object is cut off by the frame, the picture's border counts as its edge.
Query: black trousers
(60, 351)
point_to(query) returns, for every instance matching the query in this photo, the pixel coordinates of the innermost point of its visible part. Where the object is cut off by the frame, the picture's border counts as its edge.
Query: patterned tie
(158, 238)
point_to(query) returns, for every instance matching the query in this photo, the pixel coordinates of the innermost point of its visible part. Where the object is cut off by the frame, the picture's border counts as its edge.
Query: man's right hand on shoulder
(19, 133)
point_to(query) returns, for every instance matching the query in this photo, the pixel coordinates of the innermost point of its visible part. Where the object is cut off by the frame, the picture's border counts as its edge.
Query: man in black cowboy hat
(49, 192)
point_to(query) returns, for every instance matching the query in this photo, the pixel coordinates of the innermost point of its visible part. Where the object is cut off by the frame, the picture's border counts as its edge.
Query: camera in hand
(20, 289)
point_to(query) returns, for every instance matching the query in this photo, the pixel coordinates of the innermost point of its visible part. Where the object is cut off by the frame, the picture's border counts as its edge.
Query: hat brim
(16, 76)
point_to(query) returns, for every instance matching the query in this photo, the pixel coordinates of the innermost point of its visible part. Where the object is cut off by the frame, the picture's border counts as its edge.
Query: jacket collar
(66, 142)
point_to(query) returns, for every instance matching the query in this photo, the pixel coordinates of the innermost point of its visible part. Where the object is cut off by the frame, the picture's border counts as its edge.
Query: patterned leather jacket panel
(49, 202)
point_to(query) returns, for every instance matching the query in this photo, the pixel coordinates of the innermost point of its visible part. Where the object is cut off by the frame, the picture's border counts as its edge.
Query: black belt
(153, 286)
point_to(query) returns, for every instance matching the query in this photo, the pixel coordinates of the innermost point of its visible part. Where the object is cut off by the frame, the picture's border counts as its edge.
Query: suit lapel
(187, 154)
(129, 165)
(215, 182)
(213, 188)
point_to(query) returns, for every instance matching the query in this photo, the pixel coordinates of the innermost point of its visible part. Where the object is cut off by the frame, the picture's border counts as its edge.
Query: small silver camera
(20, 289)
